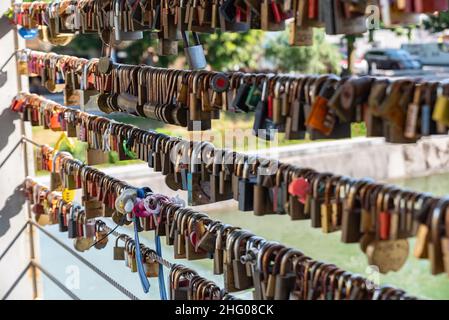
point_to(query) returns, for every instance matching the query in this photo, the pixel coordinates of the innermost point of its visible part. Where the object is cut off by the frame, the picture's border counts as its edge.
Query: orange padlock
(17, 104)
(55, 124)
(319, 117)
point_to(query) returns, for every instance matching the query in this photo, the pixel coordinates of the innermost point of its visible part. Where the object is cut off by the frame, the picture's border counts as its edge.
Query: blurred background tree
(322, 57)
(437, 22)
(225, 51)
(233, 51)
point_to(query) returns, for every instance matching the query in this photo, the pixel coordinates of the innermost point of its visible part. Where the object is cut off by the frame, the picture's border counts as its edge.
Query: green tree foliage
(82, 44)
(137, 52)
(437, 23)
(227, 51)
(322, 57)
(224, 51)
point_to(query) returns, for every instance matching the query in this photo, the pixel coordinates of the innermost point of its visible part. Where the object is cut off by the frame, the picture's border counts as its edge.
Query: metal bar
(28, 208)
(14, 285)
(87, 263)
(24, 138)
(13, 240)
(9, 59)
(55, 281)
(10, 153)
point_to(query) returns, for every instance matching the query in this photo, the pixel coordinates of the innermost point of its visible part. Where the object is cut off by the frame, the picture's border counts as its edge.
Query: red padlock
(384, 225)
(276, 12)
(299, 187)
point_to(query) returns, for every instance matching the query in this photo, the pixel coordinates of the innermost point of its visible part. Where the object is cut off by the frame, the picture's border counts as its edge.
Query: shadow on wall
(7, 126)
(5, 26)
(13, 206)
(14, 203)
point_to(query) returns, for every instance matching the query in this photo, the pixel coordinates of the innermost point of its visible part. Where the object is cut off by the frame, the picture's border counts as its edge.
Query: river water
(414, 277)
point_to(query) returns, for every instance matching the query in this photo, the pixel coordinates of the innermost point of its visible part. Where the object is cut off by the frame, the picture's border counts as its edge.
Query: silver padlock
(194, 54)
(123, 34)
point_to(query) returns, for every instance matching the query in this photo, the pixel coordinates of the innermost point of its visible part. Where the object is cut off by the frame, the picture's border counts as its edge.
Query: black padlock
(261, 111)
(72, 222)
(239, 102)
(61, 224)
(246, 190)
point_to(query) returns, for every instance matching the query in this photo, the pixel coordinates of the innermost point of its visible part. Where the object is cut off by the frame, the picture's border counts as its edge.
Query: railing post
(14, 210)
(23, 133)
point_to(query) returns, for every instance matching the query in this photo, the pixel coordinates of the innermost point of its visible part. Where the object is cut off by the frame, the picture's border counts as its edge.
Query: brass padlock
(286, 278)
(119, 252)
(237, 242)
(133, 258)
(195, 229)
(441, 109)
(151, 266)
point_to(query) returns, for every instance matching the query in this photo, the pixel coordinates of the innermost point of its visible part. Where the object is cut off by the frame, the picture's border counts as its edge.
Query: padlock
(89, 228)
(242, 280)
(61, 214)
(286, 278)
(119, 252)
(72, 222)
(441, 110)
(167, 47)
(246, 189)
(194, 54)
(121, 35)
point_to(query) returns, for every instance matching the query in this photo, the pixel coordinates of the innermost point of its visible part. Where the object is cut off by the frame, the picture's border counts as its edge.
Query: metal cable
(9, 59)
(36, 265)
(152, 254)
(87, 263)
(32, 142)
(14, 240)
(16, 282)
(137, 130)
(55, 281)
(10, 153)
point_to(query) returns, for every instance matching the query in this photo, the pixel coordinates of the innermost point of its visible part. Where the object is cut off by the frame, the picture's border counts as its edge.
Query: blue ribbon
(145, 284)
(141, 192)
(161, 278)
(140, 269)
